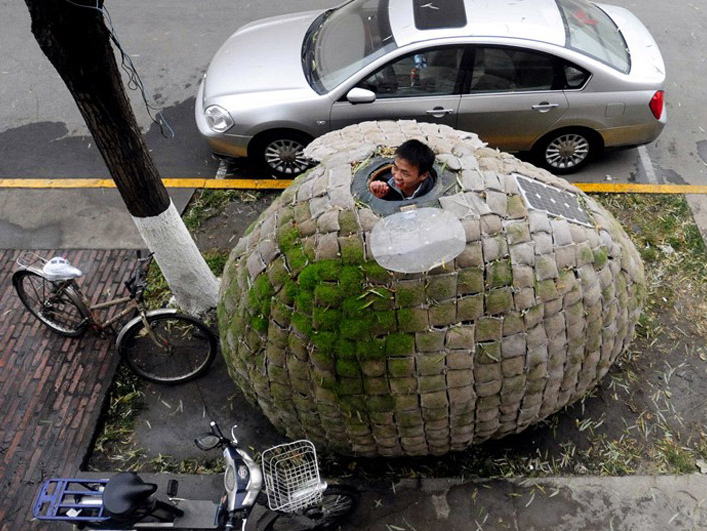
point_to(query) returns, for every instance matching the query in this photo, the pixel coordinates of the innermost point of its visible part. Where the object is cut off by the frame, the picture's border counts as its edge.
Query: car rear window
(592, 32)
(439, 14)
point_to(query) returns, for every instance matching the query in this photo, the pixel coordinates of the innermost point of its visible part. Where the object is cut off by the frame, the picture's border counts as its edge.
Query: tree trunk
(75, 39)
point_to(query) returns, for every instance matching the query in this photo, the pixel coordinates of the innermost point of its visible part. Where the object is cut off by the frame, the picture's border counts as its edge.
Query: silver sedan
(562, 79)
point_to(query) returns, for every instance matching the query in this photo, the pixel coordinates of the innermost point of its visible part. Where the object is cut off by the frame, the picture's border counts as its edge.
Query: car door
(424, 86)
(512, 96)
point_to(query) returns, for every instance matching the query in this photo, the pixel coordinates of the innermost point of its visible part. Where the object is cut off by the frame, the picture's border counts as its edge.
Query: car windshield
(342, 41)
(592, 32)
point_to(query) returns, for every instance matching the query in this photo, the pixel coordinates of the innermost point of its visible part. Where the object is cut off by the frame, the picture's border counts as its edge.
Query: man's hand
(379, 189)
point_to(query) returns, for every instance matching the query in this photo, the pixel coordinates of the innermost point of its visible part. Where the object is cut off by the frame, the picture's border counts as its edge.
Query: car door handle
(441, 111)
(544, 106)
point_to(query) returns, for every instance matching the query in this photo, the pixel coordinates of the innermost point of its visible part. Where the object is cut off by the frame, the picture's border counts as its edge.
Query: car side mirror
(360, 95)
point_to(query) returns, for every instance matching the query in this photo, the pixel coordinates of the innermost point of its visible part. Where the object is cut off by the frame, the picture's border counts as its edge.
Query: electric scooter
(296, 496)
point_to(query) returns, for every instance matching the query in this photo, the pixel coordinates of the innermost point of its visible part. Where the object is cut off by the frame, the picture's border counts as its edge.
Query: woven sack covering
(367, 361)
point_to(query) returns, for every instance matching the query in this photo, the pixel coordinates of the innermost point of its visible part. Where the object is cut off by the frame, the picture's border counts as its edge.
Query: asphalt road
(171, 42)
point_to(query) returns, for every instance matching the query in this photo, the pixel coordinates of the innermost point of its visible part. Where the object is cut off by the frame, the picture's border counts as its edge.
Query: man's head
(412, 165)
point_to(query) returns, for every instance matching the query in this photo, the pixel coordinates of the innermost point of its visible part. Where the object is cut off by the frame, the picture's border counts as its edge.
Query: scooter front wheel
(337, 503)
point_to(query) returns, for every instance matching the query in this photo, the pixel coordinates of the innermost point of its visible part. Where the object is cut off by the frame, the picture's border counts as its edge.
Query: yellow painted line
(57, 183)
(635, 188)
(280, 184)
(248, 184)
(244, 184)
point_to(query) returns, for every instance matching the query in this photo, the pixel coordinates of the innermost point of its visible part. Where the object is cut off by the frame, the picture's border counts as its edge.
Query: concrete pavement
(641, 503)
(78, 218)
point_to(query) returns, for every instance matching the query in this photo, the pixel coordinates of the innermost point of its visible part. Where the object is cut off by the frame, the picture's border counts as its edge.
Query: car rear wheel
(282, 154)
(566, 151)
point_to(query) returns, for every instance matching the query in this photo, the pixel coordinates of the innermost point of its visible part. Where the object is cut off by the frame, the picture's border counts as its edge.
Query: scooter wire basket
(292, 476)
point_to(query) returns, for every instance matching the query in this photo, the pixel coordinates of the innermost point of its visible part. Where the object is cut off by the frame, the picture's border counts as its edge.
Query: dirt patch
(222, 220)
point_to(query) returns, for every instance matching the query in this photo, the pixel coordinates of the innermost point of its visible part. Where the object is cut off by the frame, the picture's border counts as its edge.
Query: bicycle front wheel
(50, 302)
(337, 503)
(172, 349)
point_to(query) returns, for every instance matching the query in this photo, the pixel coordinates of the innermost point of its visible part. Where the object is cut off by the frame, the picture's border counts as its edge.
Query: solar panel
(555, 202)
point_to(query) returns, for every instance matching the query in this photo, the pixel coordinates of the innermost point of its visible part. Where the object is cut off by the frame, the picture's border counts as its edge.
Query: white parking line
(222, 170)
(647, 164)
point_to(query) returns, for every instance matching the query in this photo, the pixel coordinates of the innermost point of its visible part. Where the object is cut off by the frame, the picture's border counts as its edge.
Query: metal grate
(292, 476)
(555, 202)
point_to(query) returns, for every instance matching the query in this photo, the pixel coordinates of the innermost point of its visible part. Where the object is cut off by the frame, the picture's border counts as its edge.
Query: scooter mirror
(207, 442)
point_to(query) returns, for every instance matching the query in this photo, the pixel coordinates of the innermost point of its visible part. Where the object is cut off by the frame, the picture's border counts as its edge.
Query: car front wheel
(566, 151)
(282, 154)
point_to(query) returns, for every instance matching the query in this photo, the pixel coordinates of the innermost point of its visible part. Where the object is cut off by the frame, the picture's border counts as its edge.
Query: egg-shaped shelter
(431, 354)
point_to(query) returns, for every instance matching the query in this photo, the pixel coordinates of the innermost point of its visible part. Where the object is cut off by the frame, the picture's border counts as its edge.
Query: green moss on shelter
(326, 319)
(351, 248)
(348, 222)
(351, 280)
(499, 274)
(383, 322)
(304, 301)
(345, 349)
(375, 273)
(371, 350)
(259, 323)
(352, 306)
(296, 259)
(399, 344)
(288, 238)
(327, 295)
(328, 270)
(309, 277)
(356, 328)
(325, 341)
(348, 368)
(302, 323)
(410, 294)
(601, 257)
(263, 288)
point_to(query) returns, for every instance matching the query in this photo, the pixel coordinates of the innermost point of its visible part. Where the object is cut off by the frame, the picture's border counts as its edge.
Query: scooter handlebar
(216, 430)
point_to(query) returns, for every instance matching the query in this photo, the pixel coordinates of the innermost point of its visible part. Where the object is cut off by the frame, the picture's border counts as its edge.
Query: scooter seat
(125, 492)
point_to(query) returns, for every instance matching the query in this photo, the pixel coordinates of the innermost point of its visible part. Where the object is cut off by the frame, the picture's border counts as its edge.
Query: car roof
(538, 20)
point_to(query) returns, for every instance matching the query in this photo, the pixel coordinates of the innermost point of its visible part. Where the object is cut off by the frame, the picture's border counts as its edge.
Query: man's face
(406, 176)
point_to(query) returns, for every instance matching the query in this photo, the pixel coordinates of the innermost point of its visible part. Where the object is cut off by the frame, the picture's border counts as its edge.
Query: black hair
(417, 154)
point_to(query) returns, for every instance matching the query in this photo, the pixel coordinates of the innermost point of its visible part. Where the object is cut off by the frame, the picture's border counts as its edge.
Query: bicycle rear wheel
(51, 303)
(175, 349)
(337, 503)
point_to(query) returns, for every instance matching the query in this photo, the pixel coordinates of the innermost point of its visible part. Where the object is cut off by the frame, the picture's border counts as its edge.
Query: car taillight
(656, 104)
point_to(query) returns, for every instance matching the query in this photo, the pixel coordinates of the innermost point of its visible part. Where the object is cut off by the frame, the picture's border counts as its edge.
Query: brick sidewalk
(51, 388)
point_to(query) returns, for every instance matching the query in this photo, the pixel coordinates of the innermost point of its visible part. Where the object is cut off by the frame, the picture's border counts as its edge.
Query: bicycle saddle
(59, 268)
(125, 492)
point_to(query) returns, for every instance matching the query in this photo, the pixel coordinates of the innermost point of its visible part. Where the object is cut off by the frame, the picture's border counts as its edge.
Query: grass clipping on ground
(647, 416)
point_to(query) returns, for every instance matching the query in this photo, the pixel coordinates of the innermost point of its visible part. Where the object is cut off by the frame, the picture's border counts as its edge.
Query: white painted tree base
(194, 286)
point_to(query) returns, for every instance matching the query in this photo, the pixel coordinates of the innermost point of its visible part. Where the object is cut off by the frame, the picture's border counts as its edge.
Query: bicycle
(161, 346)
(297, 498)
